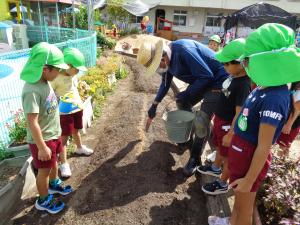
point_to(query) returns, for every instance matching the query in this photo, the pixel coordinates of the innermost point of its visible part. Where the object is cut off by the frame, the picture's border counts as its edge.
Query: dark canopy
(258, 14)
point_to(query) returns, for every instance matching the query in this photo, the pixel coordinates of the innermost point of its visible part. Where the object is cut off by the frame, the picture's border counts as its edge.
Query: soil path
(133, 177)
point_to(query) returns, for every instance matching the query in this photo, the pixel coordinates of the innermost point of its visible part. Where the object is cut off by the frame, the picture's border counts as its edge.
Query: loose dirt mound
(133, 177)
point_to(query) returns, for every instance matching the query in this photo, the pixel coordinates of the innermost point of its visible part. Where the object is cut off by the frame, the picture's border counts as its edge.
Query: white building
(198, 18)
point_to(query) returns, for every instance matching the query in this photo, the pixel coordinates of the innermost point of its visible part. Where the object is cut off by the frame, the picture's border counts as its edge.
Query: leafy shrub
(134, 31)
(105, 42)
(81, 18)
(123, 33)
(17, 131)
(279, 196)
(95, 82)
(4, 154)
(126, 32)
(121, 73)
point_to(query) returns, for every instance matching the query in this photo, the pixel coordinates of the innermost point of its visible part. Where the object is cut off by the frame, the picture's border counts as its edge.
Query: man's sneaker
(191, 167)
(207, 169)
(51, 205)
(214, 188)
(60, 188)
(215, 220)
(65, 170)
(84, 150)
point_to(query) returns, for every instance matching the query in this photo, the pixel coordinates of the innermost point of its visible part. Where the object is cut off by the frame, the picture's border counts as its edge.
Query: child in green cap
(262, 116)
(43, 132)
(71, 122)
(214, 42)
(234, 93)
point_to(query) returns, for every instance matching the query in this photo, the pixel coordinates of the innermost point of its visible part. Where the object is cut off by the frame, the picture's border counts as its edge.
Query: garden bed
(8, 174)
(19, 149)
(17, 181)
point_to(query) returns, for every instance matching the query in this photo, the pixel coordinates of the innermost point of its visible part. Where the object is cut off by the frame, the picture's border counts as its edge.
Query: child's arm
(44, 153)
(265, 138)
(292, 118)
(228, 137)
(288, 126)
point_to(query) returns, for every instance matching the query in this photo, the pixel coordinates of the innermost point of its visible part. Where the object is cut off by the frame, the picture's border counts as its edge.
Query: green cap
(232, 51)
(40, 55)
(273, 57)
(215, 38)
(75, 58)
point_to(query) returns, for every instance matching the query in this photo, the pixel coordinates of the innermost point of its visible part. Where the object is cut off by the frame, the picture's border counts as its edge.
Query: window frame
(180, 14)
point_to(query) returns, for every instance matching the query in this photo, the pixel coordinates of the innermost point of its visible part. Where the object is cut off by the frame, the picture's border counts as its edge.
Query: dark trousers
(208, 106)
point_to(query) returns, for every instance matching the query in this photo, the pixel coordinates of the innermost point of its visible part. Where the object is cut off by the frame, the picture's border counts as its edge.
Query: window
(136, 19)
(179, 18)
(213, 20)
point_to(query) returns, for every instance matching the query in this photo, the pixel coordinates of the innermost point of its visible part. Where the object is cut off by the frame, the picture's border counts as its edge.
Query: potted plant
(17, 134)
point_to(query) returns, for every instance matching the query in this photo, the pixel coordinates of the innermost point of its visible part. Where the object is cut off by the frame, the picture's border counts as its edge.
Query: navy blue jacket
(195, 64)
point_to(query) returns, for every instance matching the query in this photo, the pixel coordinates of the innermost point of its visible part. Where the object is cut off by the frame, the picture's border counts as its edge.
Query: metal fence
(11, 85)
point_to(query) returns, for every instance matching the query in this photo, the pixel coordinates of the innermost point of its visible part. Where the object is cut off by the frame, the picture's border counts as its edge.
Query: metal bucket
(179, 125)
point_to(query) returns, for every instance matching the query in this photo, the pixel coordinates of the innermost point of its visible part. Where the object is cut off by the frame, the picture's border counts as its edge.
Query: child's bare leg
(54, 172)
(77, 138)
(42, 181)
(63, 153)
(244, 213)
(233, 216)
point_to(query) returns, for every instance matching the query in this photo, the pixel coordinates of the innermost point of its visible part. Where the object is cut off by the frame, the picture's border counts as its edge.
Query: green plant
(123, 33)
(116, 11)
(121, 73)
(17, 131)
(99, 52)
(105, 42)
(134, 31)
(81, 18)
(279, 196)
(4, 154)
(71, 147)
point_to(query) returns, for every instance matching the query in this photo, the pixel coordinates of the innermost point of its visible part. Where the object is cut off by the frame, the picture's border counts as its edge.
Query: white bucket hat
(150, 54)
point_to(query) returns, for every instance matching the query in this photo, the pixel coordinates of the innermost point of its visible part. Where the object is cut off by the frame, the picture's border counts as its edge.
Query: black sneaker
(208, 170)
(214, 188)
(191, 167)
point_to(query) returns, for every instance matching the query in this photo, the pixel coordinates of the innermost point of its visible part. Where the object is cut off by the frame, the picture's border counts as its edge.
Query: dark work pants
(208, 106)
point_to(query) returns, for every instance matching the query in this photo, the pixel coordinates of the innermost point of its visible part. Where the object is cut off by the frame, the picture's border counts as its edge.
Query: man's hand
(44, 154)
(226, 141)
(152, 111)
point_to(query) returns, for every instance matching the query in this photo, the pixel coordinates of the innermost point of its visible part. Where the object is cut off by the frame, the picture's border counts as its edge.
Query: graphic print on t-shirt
(51, 103)
(226, 85)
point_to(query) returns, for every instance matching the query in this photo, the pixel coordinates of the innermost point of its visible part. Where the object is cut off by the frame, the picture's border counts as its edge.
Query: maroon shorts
(56, 148)
(286, 140)
(220, 129)
(240, 155)
(71, 122)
